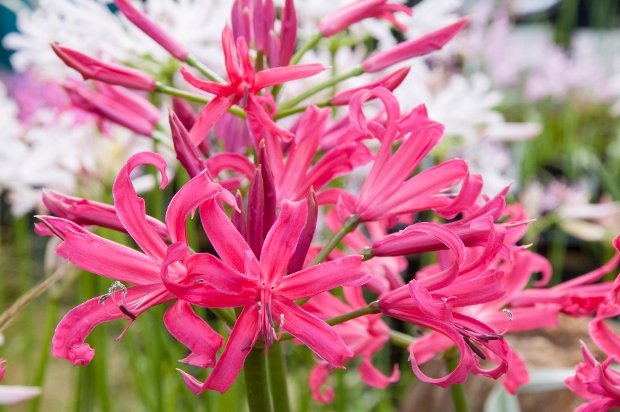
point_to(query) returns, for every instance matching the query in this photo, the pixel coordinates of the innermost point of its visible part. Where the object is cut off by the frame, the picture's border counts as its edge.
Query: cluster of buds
(266, 273)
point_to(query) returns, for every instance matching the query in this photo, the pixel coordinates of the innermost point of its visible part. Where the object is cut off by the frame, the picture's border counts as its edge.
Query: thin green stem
(370, 309)
(203, 69)
(459, 398)
(193, 97)
(321, 86)
(348, 226)
(401, 339)
(44, 356)
(294, 110)
(277, 378)
(305, 47)
(257, 386)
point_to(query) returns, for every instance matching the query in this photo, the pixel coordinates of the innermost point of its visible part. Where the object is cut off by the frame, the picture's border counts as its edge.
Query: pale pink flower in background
(12, 394)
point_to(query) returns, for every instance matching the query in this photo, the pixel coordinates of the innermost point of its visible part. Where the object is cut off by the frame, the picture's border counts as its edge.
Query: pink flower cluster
(264, 272)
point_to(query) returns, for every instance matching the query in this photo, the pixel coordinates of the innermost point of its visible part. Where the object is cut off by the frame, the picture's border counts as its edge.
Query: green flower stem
(401, 339)
(348, 226)
(51, 318)
(193, 97)
(20, 304)
(370, 309)
(257, 386)
(459, 398)
(305, 47)
(321, 86)
(277, 378)
(204, 70)
(289, 112)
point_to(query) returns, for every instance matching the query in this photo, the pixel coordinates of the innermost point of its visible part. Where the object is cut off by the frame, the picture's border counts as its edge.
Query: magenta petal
(313, 332)
(224, 237)
(207, 118)
(68, 341)
(318, 380)
(193, 332)
(282, 239)
(130, 207)
(238, 347)
(215, 88)
(604, 336)
(195, 192)
(186, 152)
(374, 377)
(218, 274)
(279, 75)
(101, 256)
(346, 271)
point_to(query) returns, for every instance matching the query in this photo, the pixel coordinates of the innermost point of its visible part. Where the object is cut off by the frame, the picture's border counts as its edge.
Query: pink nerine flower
(413, 48)
(365, 336)
(111, 73)
(141, 268)
(389, 189)
(359, 10)
(116, 105)
(596, 382)
(152, 29)
(243, 88)
(260, 285)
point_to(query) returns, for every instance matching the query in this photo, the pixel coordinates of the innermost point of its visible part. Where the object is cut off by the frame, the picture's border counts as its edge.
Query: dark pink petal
(282, 239)
(517, 374)
(231, 57)
(91, 68)
(186, 152)
(101, 256)
(218, 274)
(288, 33)
(356, 11)
(152, 29)
(374, 377)
(130, 207)
(184, 111)
(208, 86)
(191, 195)
(318, 381)
(313, 332)
(279, 75)
(207, 118)
(193, 286)
(225, 238)
(305, 238)
(260, 121)
(87, 212)
(390, 82)
(193, 332)
(134, 103)
(230, 161)
(68, 341)
(413, 48)
(604, 336)
(346, 271)
(238, 347)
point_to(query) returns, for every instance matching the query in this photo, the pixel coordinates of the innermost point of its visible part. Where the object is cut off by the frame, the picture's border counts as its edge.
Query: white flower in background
(91, 27)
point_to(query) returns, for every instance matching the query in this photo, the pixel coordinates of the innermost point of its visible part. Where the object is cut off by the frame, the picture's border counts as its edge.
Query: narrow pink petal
(318, 383)
(346, 271)
(342, 18)
(91, 68)
(288, 33)
(261, 123)
(187, 153)
(225, 238)
(238, 347)
(517, 374)
(231, 57)
(87, 212)
(101, 256)
(374, 377)
(321, 338)
(193, 332)
(193, 287)
(184, 111)
(68, 341)
(604, 336)
(390, 82)
(193, 193)
(279, 75)
(130, 207)
(133, 102)
(230, 161)
(218, 274)
(217, 89)
(413, 48)
(282, 239)
(152, 29)
(207, 118)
